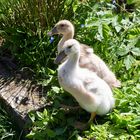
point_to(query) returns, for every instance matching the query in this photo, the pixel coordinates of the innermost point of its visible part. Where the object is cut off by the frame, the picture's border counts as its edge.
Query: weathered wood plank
(19, 96)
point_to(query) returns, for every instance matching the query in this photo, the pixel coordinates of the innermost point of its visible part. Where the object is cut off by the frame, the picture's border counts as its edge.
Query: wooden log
(19, 96)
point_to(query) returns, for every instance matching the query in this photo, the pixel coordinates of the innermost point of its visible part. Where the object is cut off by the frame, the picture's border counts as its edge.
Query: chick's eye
(69, 47)
(62, 25)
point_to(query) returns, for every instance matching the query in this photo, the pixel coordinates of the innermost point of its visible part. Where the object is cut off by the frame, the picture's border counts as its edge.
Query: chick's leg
(83, 126)
(92, 117)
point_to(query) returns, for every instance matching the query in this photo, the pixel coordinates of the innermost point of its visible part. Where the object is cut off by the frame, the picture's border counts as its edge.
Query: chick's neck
(65, 37)
(72, 62)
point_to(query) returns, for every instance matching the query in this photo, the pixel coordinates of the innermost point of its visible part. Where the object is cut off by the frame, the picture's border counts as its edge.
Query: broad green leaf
(118, 28)
(32, 117)
(98, 37)
(128, 61)
(47, 81)
(133, 42)
(136, 121)
(45, 113)
(39, 114)
(50, 71)
(123, 50)
(30, 135)
(126, 22)
(130, 1)
(56, 89)
(116, 24)
(136, 51)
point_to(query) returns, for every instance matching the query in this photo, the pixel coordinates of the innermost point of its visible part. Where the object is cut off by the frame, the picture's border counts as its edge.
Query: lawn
(112, 30)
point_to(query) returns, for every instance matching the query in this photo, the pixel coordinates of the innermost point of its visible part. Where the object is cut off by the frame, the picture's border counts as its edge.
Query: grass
(114, 37)
(7, 129)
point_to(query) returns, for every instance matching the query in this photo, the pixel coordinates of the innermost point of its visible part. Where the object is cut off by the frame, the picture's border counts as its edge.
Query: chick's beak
(53, 31)
(60, 57)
